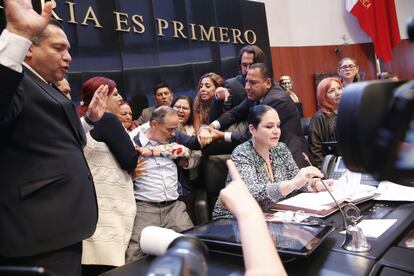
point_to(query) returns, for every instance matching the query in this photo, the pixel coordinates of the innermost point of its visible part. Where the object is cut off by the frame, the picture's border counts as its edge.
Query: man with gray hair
(156, 192)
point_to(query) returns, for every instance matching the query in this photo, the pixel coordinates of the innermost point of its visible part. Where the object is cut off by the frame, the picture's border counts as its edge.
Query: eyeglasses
(350, 67)
(184, 108)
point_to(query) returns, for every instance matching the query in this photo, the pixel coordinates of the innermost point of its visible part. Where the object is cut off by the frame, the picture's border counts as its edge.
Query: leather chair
(213, 176)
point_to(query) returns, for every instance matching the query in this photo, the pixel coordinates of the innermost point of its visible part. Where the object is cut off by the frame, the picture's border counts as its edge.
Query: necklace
(268, 169)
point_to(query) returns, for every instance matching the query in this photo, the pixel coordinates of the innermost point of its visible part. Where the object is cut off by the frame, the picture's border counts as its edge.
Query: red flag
(379, 20)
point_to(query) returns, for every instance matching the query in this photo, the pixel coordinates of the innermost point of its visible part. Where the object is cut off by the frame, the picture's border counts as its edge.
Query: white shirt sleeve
(13, 50)
(86, 127)
(227, 136)
(216, 124)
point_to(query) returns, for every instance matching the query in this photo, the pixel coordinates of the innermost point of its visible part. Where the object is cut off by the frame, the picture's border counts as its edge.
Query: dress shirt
(160, 182)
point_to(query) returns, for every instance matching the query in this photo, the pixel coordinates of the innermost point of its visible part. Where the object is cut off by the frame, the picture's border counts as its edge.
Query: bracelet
(87, 120)
(152, 151)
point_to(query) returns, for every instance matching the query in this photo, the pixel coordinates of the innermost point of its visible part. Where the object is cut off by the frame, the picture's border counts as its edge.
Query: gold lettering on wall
(224, 34)
(162, 24)
(72, 18)
(178, 29)
(121, 18)
(138, 21)
(236, 33)
(54, 15)
(210, 35)
(90, 15)
(250, 37)
(192, 31)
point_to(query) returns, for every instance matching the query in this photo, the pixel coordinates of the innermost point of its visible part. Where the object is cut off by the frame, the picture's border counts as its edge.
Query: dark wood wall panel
(402, 63)
(302, 63)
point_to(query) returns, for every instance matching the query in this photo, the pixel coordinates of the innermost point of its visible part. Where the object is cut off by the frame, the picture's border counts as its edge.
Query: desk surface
(329, 258)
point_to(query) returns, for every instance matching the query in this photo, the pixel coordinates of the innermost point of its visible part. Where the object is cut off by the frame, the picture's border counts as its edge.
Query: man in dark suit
(47, 198)
(163, 95)
(260, 90)
(234, 88)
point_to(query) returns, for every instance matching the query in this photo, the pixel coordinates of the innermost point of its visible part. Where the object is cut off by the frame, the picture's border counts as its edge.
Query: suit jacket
(47, 196)
(237, 95)
(291, 128)
(236, 88)
(145, 115)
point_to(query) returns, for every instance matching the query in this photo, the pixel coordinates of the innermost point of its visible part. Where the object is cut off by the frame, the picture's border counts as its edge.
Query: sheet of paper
(373, 228)
(394, 192)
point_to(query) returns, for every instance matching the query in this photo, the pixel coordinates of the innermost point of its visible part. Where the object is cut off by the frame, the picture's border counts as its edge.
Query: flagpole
(377, 65)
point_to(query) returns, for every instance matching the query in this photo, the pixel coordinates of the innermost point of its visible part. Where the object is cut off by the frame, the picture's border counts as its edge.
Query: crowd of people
(101, 177)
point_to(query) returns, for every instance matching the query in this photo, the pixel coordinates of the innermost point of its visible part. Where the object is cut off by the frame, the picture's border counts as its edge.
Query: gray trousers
(172, 216)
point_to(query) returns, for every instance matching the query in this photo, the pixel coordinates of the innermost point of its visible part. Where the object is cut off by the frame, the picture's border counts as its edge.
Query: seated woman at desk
(267, 166)
(322, 127)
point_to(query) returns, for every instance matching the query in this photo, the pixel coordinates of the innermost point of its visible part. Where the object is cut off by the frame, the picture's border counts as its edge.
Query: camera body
(185, 256)
(375, 127)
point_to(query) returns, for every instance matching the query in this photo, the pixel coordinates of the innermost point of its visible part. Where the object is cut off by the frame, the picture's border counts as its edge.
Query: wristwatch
(87, 120)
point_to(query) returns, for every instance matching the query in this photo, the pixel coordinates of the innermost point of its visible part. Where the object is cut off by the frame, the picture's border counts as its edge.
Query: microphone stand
(355, 239)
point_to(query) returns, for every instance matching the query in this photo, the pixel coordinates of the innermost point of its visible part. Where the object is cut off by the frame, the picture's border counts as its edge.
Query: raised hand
(23, 20)
(97, 106)
(222, 93)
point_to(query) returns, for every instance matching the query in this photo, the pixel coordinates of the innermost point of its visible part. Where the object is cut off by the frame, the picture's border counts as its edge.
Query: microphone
(305, 156)
(355, 239)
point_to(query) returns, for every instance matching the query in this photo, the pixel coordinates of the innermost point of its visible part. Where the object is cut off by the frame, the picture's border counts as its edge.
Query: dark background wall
(138, 61)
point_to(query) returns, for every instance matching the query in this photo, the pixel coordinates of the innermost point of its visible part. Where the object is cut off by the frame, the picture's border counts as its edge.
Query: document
(373, 228)
(394, 192)
(346, 189)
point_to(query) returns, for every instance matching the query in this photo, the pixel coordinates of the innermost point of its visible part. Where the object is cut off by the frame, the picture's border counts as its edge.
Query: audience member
(188, 167)
(259, 251)
(266, 165)
(156, 192)
(163, 95)
(234, 91)
(124, 114)
(348, 71)
(387, 76)
(111, 156)
(260, 90)
(207, 85)
(64, 87)
(47, 198)
(287, 84)
(322, 127)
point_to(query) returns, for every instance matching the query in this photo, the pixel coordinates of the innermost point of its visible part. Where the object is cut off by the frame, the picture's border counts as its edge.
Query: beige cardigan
(116, 205)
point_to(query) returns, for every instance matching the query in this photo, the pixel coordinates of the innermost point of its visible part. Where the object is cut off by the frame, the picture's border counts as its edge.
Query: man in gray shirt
(156, 192)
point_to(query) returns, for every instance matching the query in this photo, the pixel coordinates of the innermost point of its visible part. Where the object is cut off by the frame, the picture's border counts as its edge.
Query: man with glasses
(156, 191)
(234, 91)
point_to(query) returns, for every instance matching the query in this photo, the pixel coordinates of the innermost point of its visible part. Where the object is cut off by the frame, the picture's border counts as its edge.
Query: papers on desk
(346, 189)
(373, 228)
(393, 192)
